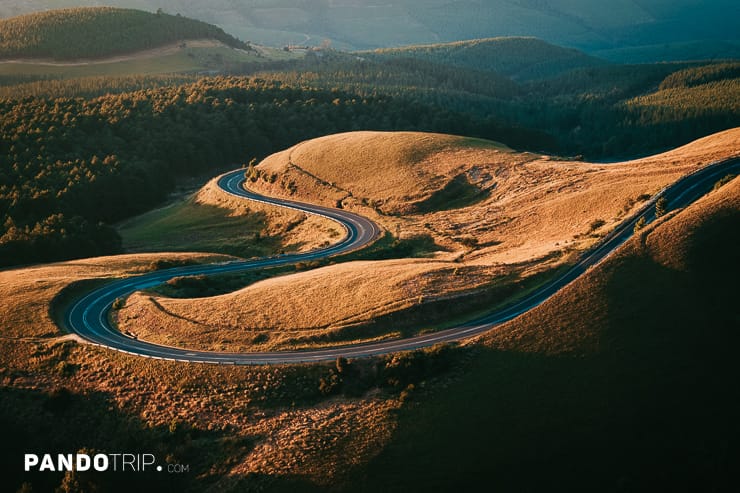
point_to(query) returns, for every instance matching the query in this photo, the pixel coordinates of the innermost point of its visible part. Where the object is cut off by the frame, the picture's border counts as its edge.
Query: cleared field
(533, 214)
(187, 226)
(212, 221)
(190, 56)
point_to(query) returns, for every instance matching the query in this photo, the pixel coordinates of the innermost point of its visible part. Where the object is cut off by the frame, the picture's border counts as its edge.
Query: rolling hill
(84, 33)
(621, 382)
(515, 57)
(628, 30)
(492, 223)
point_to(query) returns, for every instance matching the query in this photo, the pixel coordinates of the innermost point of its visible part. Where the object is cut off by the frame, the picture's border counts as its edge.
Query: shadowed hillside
(621, 382)
(625, 30)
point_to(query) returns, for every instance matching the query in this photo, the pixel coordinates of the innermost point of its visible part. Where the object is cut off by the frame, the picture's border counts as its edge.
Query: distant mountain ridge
(515, 57)
(79, 33)
(620, 30)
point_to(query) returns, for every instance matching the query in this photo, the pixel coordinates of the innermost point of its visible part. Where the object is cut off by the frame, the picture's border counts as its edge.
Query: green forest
(77, 155)
(99, 32)
(69, 167)
(597, 111)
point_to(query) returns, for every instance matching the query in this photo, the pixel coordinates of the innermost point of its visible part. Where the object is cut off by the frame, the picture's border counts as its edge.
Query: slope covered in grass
(491, 222)
(99, 32)
(633, 30)
(622, 382)
(625, 381)
(213, 221)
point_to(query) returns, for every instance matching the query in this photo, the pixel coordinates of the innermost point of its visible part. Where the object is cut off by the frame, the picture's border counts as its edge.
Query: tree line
(69, 167)
(595, 111)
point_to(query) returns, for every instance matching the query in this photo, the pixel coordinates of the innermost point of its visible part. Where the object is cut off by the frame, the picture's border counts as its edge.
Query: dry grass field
(498, 217)
(620, 382)
(641, 340)
(26, 293)
(630, 361)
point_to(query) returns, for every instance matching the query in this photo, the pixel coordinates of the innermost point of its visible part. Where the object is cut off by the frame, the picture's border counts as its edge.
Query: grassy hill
(489, 222)
(628, 30)
(621, 382)
(80, 33)
(520, 58)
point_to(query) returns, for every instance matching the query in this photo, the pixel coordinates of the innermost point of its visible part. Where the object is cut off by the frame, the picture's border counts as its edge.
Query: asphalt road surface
(89, 316)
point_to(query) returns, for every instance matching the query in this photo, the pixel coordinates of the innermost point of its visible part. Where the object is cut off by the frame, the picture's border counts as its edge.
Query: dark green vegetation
(572, 105)
(518, 58)
(620, 383)
(702, 75)
(389, 247)
(202, 286)
(99, 32)
(19, 87)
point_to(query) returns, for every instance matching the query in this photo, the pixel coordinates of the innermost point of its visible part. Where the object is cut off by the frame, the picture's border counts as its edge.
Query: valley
(330, 246)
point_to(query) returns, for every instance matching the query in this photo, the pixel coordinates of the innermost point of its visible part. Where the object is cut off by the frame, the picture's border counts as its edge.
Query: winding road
(88, 317)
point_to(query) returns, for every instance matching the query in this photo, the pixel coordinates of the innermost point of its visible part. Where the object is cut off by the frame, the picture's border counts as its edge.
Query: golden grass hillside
(627, 375)
(250, 422)
(623, 381)
(229, 423)
(346, 308)
(26, 293)
(520, 206)
(526, 214)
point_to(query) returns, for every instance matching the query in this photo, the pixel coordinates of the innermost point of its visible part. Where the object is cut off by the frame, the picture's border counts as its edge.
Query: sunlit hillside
(484, 223)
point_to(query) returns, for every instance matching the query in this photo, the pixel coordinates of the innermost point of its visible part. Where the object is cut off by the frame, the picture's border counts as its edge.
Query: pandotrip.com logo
(99, 462)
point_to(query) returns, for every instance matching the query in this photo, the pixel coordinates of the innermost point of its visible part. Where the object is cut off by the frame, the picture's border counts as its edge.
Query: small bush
(640, 224)
(596, 224)
(468, 241)
(661, 207)
(724, 181)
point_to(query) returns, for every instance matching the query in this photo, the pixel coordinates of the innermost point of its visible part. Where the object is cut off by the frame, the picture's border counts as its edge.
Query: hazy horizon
(628, 31)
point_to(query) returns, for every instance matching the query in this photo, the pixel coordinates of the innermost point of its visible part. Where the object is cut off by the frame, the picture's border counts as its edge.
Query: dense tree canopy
(596, 111)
